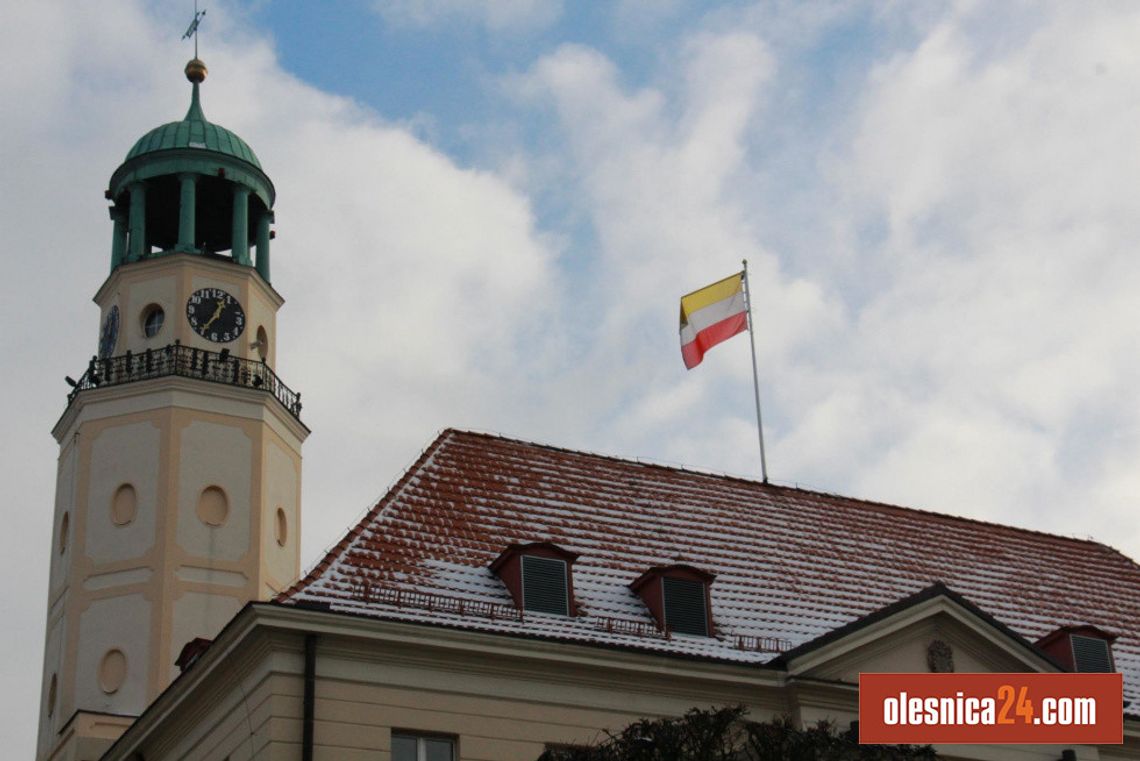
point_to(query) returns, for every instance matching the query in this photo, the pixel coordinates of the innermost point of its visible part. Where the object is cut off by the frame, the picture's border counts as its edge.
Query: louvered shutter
(685, 608)
(544, 585)
(1091, 655)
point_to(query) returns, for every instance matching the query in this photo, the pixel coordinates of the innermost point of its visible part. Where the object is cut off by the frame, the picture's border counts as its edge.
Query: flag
(193, 29)
(710, 315)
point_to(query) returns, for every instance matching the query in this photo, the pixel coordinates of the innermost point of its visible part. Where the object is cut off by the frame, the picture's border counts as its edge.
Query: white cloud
(998, 156)
(656, 171)
(496, 15)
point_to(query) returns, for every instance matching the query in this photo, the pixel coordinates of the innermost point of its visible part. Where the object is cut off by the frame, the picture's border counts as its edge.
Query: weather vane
(192, 30)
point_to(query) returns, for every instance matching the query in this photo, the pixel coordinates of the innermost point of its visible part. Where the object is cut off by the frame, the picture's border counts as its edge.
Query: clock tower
(179, 478)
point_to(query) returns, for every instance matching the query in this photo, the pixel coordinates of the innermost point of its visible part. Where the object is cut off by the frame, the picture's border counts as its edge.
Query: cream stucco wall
(282, 490)
(53, 666)
(215, 455)
(199, 614)
(114, 623)
(66, 475)
(133, 297)
(125, 454)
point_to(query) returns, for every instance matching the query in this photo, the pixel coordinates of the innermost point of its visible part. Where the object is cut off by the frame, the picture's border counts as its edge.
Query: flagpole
(755, 373)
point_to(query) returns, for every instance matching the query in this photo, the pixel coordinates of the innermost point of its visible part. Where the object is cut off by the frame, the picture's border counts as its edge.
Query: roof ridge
(685, 470)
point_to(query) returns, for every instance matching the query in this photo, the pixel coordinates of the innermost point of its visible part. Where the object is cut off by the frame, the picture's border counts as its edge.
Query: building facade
(178, 487)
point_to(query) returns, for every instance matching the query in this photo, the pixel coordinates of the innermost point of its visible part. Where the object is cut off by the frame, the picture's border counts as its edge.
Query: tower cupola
(192, 187)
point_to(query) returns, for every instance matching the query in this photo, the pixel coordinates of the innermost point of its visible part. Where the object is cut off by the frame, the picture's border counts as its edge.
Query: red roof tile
(790, 564)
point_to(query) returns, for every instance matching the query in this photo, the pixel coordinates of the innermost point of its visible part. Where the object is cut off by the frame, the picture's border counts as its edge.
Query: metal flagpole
(755, 373)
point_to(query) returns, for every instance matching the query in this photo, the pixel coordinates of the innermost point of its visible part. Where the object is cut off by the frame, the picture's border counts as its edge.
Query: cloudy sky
(488, 209)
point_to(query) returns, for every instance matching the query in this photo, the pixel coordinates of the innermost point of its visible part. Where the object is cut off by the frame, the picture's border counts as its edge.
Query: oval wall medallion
(124, 505)
(112, 671)
(213, 506)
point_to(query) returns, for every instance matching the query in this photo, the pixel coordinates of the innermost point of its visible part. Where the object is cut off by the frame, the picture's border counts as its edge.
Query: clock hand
(217, 314)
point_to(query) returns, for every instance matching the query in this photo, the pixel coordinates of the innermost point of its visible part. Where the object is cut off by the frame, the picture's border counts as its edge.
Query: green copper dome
(191, 187)
(192, 145)
(194, 132)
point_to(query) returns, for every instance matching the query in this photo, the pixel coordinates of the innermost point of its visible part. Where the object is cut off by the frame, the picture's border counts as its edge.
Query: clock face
(215, 315)
(110, 332)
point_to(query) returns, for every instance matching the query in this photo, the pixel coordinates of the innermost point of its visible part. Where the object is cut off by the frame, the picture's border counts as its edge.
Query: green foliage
(722, 734)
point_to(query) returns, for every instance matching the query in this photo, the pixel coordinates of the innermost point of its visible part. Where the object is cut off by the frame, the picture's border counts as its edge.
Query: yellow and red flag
(710, 315)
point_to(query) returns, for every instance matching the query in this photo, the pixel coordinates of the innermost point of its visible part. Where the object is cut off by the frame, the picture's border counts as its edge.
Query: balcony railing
(186, 362)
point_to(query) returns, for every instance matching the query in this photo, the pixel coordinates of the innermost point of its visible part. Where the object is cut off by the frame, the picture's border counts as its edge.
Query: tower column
(263, 244)
(138, 247)
(187, 211)
(241, 225)
(118, 236)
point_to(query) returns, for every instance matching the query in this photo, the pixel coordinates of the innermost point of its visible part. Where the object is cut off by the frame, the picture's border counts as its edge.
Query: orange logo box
(991, 708)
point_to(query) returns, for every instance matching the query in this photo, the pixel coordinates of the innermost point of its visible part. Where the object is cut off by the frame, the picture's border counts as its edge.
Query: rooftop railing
(368, 591)
(186, 362)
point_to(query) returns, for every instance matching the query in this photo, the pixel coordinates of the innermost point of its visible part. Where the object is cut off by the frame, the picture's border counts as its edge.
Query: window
(112, 671)
(124, 505)
(419, 748)
(1091, 655)
(262, 343)
(544, 585)
(1082, 648)
(152, 320)
(213, 506)
(677, 597)
(685, 606)
(539, 577)
(281, 528)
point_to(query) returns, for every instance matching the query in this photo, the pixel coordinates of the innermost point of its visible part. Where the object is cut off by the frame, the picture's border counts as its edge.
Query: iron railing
(186, 362)
(762, 644)
(369, 591)
(612, 625)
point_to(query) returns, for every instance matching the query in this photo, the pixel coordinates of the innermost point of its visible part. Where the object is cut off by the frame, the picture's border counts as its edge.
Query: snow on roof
(790, 564)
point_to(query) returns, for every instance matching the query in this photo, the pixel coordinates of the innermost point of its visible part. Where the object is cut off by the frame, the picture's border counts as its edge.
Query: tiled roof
(790, 564)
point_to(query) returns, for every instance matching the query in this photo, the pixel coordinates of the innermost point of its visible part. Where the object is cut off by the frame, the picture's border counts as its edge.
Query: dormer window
(678, 598)
(1084, 649)
(545, 585)
(539, 577)
(1091, 654)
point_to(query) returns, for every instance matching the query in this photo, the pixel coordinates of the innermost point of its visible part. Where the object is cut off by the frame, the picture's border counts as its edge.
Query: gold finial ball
(196, 70)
